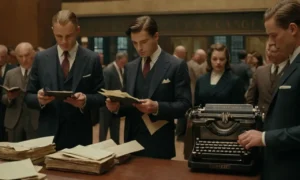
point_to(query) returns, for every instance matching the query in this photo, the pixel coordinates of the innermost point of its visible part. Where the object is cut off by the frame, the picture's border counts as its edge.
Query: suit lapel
(78, 66)
(287, 73)
(161, 66)
(223, 82)
(52, 63)
(131, 76)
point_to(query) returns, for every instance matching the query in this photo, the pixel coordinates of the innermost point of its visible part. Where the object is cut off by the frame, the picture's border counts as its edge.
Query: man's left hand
(147, 106)
(250, 139)
(78, 100)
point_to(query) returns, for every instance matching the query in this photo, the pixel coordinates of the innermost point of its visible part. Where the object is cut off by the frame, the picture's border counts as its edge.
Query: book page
(87, 152)
(39, 142)
(17, 170)
(126, 148)
(153, 126)
(103, 145)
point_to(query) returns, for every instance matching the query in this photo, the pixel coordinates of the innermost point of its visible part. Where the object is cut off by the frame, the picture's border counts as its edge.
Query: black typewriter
(216, 128)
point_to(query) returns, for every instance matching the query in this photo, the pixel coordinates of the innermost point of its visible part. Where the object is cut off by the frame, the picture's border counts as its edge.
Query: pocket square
(165, 81)
(85, 76)
(285, 87)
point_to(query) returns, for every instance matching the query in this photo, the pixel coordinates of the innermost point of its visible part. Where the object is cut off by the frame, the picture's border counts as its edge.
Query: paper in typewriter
(18, 170)
(153, 126)
(29, 144)
(126, 148)
(87, 152)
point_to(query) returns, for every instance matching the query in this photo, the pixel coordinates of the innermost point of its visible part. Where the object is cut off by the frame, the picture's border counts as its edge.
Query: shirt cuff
(156, 113)
(42, 106)
(263, 138)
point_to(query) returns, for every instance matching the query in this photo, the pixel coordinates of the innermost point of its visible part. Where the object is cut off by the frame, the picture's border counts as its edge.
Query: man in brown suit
(20, 121)
(264, 81)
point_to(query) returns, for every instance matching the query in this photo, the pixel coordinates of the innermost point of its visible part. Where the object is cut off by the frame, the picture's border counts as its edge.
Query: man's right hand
(13, 95)
(43, 100)
(112, 106)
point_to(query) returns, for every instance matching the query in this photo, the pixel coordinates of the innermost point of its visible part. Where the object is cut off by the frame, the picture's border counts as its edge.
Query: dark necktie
(274, 74)
(1, 72)
(26, 74)
(146, 68)
(121, 71)
(65, 64)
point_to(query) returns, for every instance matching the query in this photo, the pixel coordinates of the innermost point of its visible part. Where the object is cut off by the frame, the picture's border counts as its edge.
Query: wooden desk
(146, 169)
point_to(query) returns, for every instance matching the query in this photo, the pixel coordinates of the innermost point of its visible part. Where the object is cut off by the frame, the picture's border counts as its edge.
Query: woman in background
(219, 85)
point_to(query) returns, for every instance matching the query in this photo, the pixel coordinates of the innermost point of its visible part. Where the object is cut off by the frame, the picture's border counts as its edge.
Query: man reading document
(162, 84)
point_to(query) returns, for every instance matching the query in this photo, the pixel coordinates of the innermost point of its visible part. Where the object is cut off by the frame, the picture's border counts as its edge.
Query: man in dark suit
(242, 70)
(281, 136)
(113, 76)
(20, 121)
(265, 80)
(162, 83)
(66, 67)
(4, 67)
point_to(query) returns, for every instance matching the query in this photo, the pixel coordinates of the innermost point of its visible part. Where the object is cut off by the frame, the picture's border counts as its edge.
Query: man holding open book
(162, 84)
(20, 122)
(64, 84)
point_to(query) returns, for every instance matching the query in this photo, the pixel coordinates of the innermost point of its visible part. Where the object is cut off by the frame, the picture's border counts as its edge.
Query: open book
(119, 96)
(11, 89)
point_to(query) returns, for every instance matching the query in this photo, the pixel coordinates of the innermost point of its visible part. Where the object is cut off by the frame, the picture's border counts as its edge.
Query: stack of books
(92, 159)
(35, 149)
(23, 169)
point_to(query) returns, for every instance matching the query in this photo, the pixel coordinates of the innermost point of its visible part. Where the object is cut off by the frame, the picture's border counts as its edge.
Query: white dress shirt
(119, 73)
(71, 56)
(3, 70)
(153, 57)
(23, 71)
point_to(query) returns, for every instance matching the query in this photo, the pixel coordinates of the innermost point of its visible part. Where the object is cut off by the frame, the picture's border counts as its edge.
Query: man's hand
(13, 94)
(112, 106)
(77, 100)
(147, 106)
(43, 100)
(250, 139)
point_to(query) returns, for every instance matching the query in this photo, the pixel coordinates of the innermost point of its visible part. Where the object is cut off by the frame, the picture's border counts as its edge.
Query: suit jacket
(229, 90)
(195, 73)
(87, 78)
(260, 90)
(14, 78)
(2, 106)
(282, 127)
(174, 99)
(243, 71)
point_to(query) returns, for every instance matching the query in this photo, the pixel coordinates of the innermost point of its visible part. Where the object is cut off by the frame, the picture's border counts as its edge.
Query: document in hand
(59, 94)
(35, 149)
(11, 89)
(153, 126)
(23, 169)
(119, 96)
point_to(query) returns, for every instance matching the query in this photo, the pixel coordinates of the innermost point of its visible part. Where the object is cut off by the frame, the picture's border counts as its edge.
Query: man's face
(25, 57)
(3, 57)
(280, 40)
(65, 35)
(123, 61)
(144, 43)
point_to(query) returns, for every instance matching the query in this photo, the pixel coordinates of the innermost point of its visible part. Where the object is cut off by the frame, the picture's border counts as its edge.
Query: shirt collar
(295, 54)
(155, 55)
(72, 52)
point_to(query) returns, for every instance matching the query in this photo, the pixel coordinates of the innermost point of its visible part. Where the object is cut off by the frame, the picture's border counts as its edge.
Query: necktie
(274, 74)
(65, 64)
(146, 68)
(26, 74)
(121, 71)
(1, 72)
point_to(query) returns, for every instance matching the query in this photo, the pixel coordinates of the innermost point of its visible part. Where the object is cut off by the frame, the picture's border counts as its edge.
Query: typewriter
(216, 128)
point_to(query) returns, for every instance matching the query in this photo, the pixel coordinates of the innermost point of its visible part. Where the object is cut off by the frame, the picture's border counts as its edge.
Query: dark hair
(259, 58)
(145, 23)
(242, 54)
(217, 47)
(284, 12)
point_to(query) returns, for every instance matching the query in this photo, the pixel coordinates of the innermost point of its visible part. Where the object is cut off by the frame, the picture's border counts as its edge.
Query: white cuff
(263, 138)
(156, 113)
